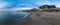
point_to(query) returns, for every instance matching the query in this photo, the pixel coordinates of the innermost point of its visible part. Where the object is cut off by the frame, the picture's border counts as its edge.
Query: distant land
(48, 8)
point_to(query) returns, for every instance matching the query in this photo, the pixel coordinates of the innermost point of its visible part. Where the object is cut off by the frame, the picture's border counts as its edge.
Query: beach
(43, 18)
(38, 18)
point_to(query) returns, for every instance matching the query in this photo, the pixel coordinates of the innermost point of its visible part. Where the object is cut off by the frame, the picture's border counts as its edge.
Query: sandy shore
(45, 18)
(41, 18)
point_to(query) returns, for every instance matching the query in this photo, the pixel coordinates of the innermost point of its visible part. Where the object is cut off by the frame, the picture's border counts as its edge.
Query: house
(49, 8)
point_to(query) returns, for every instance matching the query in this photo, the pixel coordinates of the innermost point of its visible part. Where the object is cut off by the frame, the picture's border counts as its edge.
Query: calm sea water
(11, 16)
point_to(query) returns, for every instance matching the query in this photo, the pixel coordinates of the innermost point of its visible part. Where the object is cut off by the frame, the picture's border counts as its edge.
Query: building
(49, 8)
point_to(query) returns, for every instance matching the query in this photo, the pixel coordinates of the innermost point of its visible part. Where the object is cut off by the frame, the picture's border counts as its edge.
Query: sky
(26, 4)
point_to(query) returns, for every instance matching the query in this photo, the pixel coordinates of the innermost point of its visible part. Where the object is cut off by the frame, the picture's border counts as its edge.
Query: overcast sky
(27, 3)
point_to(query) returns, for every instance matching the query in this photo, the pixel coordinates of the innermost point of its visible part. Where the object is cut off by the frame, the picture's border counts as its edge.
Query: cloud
(29, 3)
(48, 2)
(25, 5)
(43, 2)
(19, 9)
(57, 4)
(3, 4)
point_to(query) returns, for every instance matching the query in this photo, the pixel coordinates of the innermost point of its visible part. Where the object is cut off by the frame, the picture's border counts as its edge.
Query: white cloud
(19, 9)
(24, 5)
(3, 4)
(26, 8)
(46, 2)
(57, 4)
(41, 2)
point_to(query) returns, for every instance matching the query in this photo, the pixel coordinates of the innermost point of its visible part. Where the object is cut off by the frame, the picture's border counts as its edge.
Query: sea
(12, 16)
